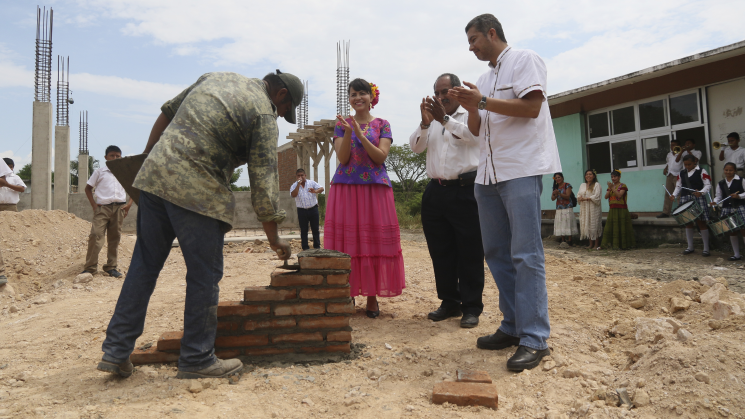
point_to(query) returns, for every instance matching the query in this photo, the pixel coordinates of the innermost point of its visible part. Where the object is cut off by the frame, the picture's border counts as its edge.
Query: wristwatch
(482, 104)
(424, 126)
(445, 119)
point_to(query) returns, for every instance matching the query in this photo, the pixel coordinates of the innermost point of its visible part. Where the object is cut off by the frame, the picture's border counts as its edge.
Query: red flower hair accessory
(375, 95)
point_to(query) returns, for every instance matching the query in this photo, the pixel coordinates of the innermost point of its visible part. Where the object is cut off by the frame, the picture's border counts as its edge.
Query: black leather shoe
(688, 251)
(663, 215)
(526, 358)
(732, 258)
(705, 254)
(114, 273)
(499, 340)
(469, 321)
(443, 313)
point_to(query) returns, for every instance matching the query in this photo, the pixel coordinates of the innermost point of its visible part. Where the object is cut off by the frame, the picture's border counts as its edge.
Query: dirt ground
(51, 331)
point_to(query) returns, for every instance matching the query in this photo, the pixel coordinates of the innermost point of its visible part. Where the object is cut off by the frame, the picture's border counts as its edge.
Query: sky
(127, 57)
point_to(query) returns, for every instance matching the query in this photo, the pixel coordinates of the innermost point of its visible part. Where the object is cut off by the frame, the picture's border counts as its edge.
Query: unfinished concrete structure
(313, 143)
(83, 174)
(62, 136)
(41, 131)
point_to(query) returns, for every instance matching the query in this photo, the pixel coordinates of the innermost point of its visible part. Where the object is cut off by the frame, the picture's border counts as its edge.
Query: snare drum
(727, 225)
(688, 212)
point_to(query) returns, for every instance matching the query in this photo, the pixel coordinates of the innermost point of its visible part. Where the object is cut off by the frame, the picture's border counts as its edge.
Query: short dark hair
(454, 80)
(8, 161)
(112, 148)
(734, 135)
(690, 157)
(360, 85)
(729, 163)
(675, 141)
(298, 171)
(483, 23)
(690, 139)
(276, 84)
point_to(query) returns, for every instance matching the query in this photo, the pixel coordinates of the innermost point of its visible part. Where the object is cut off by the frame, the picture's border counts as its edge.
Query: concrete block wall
(300, 312)
(287, 164)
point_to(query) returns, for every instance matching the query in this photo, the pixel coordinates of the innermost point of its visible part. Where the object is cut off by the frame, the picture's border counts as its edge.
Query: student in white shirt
(731, 197)
(508, 110)
(109, 210)
(11, 187)
(689, 149)
(305, 192)
(671, 171)
(450, 214)
(733, 145)
(4, 172)
(693, 183)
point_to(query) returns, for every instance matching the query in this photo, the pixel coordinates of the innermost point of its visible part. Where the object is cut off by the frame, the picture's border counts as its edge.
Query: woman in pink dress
(360, 213)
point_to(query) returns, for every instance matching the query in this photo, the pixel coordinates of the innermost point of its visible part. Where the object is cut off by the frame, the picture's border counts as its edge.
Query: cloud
(123, 87)
(19, 160)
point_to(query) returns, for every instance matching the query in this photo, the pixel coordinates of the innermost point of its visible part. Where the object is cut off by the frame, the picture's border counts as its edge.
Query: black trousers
(305, 216)
(450, 217)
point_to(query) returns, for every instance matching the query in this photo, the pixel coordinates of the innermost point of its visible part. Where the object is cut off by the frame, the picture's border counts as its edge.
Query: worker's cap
(295, 87)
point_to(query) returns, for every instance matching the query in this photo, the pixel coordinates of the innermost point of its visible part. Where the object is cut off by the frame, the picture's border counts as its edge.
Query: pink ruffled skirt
(361, 221)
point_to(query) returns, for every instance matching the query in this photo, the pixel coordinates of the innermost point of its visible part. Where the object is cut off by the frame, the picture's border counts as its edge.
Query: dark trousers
(305, 216)
(450, 217)
(201, 240)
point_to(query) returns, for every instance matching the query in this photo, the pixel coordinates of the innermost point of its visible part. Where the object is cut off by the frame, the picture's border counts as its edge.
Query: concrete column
(83, 174)
(41, 157)
(61, 167)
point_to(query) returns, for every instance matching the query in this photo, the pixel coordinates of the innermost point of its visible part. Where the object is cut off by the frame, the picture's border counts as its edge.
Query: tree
(234, 178)
(25, 173)
(93, 164)
(408, 166)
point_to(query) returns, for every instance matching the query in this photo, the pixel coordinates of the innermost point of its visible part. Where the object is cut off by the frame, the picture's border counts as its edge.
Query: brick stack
(305, 311)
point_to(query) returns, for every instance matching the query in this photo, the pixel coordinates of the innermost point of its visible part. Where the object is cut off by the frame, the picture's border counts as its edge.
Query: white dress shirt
(108, 189)
(718, 198)
(513, 147)
(728, 152)
(704, 176)
(7, 195)
(738, 158)
(674, 168)
(305, 199)
(451, 149)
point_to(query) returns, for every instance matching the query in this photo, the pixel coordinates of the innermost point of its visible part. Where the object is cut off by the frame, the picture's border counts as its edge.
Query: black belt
(115, 203)
(308, 207)
(464, 179)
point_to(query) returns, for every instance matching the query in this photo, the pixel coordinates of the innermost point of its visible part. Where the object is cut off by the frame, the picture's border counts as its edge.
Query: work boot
(220, 369)
(123, 370)
(114, 273)
(4, 279)
(526, 358)
(443, 313)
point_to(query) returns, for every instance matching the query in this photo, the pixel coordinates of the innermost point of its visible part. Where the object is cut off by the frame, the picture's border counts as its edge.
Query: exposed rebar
(43, 74)
(342, 78)
(302, 109)
(63, 91)
(83, 133)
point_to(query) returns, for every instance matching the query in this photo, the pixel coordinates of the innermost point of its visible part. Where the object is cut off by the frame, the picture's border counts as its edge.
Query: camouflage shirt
(217, 124)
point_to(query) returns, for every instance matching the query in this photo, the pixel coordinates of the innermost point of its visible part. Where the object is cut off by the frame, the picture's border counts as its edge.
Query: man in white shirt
(4, 172)
(507, 109)
(671, 171)
(305, 192)
(109, 209)
(11, 187)
(450, 214)
(733, 146)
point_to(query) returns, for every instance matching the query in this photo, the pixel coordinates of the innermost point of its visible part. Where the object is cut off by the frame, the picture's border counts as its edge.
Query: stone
(638, 303)
(549, 365)
(59, 284)
(702, 377)
(675, 323)
(83, 278)
(708, 281)
(594, 347)
(571, 373)
(641, 383)
(373, 374)
(719, 261)
(309, 402)
(466, 394)
(13, 309)
(641, 398)
(559, 359)
(564, 245)
(388, 346)
(577, 278)
(42, 299)
(724, 309)
(711, 296)
(8, 290)
(715, 324)
(428, 372)
(647, 329)
(469, 376)
(679, 304)
(683, 335)
(195, 387)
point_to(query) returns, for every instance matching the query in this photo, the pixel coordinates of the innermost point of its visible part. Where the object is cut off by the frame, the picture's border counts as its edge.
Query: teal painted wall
(570, 137)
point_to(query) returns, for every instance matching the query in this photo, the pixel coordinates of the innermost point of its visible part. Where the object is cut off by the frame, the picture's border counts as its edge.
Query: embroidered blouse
(360, 169)
(619, 203)
(564, 203)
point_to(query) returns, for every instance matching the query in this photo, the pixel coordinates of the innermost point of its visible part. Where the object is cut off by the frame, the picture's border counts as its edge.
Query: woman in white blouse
(590, 213)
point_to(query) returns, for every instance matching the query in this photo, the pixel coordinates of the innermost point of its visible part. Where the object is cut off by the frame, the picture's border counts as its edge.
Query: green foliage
(414, 205)
(322, 207)
(25, 173)
(93, 164)
(409, 167)
(234, 178)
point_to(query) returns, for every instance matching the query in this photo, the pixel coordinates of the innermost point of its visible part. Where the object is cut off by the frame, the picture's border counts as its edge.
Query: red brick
(281, 278)
(267, 351)
(228, 353)
(338, 308)
(324, 322)
(466, 394)
(152, 356)
(227, 326)
(301, 309)
(267, 294)
(324, 293)
(337, 279)
(236, 308)
(244, 340)
(170, 341)
(325, 263)
(469, 376)
(329, 348)
(341, 336)
(297, 338)
(269, 324)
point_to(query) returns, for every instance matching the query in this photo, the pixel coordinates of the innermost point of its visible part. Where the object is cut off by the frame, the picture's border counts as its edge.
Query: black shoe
(663, 215)
(469, 321)
(443, 313)
(114, 273)
(705, 254)
(732, 258)
(526, 358)
(499, 340)
(373, 314)
(688, 251)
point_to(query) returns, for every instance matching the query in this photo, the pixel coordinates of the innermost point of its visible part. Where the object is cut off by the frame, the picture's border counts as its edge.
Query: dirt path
(48, 351)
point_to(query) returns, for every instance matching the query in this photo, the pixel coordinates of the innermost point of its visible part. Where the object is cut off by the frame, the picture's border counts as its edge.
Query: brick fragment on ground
(471, 376)
(152, 355)
(466, 394)
(170, 341)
